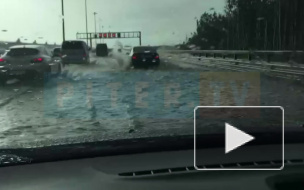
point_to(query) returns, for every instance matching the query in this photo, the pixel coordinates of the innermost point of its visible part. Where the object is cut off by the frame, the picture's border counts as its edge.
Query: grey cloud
(157, 19)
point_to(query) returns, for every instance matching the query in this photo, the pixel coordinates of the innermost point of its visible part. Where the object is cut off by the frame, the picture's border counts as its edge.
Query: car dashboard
(156, 170)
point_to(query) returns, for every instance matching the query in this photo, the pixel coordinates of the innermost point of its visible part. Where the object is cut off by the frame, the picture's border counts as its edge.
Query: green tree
(252, 24)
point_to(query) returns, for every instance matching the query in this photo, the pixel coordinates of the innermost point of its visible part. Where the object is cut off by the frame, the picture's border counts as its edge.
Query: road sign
(109, 35)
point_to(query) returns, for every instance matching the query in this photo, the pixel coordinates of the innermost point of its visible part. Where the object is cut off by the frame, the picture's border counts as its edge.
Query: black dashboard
(157, 169)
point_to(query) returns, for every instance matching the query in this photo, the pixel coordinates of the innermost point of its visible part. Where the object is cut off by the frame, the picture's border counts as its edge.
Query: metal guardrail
(263, 61)
(230, 51)
(236, 54)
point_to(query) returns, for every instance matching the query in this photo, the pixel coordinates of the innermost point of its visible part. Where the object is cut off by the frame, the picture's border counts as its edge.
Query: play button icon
(234, 138)
(238, 138)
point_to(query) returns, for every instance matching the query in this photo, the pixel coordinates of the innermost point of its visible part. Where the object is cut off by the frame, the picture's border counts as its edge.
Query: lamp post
(63, 24)
(102, 32)
(86, 15)
(95, 26)
(99, 24)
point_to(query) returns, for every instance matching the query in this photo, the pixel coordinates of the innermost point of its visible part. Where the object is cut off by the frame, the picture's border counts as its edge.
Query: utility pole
(63, 26)
(86, 15)
(99, 21)
(102, 37)
(95, 27)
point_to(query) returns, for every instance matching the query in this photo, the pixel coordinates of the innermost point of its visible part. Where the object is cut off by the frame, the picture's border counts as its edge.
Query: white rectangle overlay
(239, 169)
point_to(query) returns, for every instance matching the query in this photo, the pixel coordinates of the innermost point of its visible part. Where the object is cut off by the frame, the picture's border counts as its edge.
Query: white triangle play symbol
(235, 138)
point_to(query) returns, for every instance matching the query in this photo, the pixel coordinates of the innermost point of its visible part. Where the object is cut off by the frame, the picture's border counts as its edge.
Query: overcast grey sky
(161, 21)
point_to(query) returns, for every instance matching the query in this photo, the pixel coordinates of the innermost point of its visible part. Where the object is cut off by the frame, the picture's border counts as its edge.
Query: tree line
(252, 25)
(18, 41)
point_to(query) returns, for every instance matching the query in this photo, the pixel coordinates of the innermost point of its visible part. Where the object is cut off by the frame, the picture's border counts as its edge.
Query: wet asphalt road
(109, 100)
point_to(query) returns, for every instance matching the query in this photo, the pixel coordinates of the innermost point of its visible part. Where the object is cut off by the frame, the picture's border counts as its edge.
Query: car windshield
(205, 55)
(15, 52)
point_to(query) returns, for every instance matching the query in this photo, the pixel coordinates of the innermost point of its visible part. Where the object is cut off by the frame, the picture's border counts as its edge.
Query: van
(75, 52)
(101, 50)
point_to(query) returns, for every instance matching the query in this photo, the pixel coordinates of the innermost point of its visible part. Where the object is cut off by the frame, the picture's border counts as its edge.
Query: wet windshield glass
(208, 53)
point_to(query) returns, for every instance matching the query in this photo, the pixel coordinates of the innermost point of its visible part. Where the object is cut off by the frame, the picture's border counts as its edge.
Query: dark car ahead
(75, 52)
(57, 52)
(28, 60)
(144, 56)
(102, 50)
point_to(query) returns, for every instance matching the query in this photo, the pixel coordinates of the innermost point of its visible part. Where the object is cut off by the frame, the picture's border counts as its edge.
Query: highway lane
(24, 107)
(110, 100)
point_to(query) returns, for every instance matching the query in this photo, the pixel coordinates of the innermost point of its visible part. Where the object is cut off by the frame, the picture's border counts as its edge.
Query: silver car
(30, 61)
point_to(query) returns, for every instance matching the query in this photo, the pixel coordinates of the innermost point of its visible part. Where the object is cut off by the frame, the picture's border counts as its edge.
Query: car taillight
(134, 57)
(157, 57)
(84, 55)
(2, 60)
(38, 60)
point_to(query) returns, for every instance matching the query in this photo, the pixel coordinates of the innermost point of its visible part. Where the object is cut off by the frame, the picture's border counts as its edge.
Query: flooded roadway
(109, 100)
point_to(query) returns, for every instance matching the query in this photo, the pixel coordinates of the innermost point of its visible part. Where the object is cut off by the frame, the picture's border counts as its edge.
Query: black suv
(144, 56)
(75, 52)
(102, 50)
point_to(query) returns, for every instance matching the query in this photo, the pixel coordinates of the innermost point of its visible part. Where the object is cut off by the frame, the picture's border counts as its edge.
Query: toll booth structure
(108, 35)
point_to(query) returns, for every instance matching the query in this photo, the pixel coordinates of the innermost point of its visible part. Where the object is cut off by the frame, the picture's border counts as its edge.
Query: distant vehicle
(56, 52)
(144, 56)
(102, 50)
(28, 60)
(2, 51)
(75, 52)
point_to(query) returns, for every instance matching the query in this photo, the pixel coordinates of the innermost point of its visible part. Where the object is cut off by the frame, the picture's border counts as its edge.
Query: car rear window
(72, 45)
(103, 46)
(22, 52)
(144, 49)
(57, 50)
